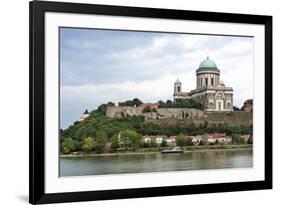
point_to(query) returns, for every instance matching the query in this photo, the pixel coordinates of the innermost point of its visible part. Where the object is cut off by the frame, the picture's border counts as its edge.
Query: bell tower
(177, 87)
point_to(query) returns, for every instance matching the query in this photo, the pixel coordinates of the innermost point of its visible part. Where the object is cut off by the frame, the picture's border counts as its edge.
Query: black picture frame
(37, 10)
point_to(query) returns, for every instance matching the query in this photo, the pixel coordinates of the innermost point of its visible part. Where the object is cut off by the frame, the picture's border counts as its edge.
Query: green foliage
(250, 140)
(237, 139)
(88, 144)
(152, 129)
(100, 142)
(114, 143)
(236, 108)
(163, 143)
(188, 141)
(146, 109)
(73, 138)
(134, 102)
(110, 104)
(76, 122)
(68, 145)
(153, 144)
(241, 140)
(180, 141)
(130, 139)
(181, 103)
(203, 142)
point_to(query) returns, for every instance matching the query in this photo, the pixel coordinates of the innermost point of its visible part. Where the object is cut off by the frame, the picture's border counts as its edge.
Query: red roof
(173, 138)
(218, 135)
(155, 105)
(248, 103)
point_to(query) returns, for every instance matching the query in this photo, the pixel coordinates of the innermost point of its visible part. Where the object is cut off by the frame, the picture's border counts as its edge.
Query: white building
(84, 115)
(210, 91)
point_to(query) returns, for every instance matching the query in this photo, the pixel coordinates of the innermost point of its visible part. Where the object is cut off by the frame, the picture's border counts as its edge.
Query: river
(157, 162)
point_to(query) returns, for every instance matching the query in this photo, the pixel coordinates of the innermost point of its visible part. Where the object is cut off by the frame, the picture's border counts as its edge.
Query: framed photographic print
(130, 102)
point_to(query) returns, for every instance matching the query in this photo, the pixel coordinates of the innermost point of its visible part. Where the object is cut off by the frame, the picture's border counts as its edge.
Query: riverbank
(186, 149)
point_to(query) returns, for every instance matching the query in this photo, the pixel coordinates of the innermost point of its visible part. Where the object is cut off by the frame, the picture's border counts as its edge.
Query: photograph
(148, 101)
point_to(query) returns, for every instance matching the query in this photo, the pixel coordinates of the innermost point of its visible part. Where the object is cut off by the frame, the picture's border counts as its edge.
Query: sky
(98, 66)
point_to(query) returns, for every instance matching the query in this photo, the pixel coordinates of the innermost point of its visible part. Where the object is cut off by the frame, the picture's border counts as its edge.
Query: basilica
(210, 91)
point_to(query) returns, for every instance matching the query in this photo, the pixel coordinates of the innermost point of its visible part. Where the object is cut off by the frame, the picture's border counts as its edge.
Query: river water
(118, 164)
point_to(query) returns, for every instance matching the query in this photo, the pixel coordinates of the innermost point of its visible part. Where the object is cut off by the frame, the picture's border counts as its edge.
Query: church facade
(210, 91)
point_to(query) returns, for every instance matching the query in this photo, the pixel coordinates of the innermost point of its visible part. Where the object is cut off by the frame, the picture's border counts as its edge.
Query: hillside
(103, 129)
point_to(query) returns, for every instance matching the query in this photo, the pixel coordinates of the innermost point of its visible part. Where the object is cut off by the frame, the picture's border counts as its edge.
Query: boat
(171, 151)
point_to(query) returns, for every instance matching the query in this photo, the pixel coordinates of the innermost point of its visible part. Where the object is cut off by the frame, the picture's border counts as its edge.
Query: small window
(219, 105)
(212, 81)
(179, 88)
(206, 81)
(228, 105)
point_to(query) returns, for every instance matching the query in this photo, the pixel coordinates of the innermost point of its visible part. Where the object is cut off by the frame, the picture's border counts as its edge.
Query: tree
(100, 142)
(88, 144)
(203, 142)
(114, 143)
(250, 140)
(130, 139)
(188, 141)
(160, 102)
(76, 123)
(134, 102)
(235, 138)
(153, 143)
(236, 108)
(146, 109)
(163, 143)
(205, 124)
(137, 102)
(102, 108)
(241, 140)
(110, 104)
(169, 102)
(68, 145)
(180, 140)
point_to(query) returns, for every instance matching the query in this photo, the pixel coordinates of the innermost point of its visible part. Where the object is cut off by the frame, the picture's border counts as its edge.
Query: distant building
(248, 105)
(197, 139)
(149, 138)
(84, 115)
(219, 137)
(210, 91)
(173, 138)
(160, 139)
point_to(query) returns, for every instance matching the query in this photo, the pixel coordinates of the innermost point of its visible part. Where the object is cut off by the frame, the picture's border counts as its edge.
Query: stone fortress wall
(159, 113)
(189, 115)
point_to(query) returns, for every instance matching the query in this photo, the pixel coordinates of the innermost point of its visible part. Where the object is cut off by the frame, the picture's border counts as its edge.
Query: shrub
(241, 140)
(100, 142)
(114, 143)
(250, 140)
(146, 109)
(68, 145)
(88, 144)
(180, 140)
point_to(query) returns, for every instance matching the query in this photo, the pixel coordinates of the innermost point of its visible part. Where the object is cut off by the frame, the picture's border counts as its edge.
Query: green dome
(178, 81)
(207, 64)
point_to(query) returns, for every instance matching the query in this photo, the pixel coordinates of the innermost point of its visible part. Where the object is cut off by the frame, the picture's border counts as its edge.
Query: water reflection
(118, 164)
